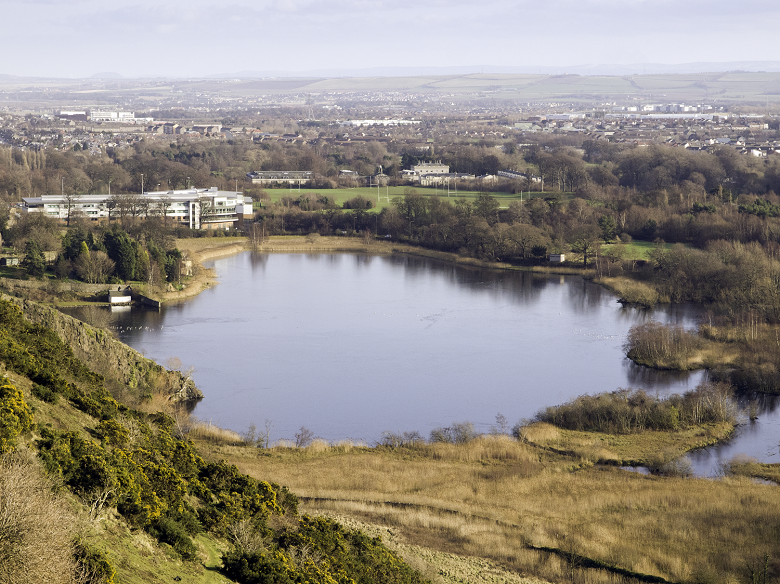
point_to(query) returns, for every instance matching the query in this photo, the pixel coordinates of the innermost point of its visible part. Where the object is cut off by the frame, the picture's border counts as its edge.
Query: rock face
(108, 356)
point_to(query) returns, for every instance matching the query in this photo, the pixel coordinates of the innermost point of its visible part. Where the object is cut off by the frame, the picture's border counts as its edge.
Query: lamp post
(142, 183)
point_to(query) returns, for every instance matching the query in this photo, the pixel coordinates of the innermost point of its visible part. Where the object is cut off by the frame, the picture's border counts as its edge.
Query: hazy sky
(77, 38)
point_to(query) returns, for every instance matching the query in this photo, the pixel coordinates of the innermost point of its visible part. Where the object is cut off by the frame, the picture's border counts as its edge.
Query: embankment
(17, 287)
(301, 244)
(199, 251)
(110, 357)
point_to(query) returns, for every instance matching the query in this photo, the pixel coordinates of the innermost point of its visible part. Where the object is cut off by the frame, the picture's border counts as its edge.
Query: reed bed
(632, 291)
(496, 498)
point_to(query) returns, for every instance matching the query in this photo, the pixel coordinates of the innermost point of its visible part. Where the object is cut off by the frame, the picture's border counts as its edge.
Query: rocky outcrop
(110, 357)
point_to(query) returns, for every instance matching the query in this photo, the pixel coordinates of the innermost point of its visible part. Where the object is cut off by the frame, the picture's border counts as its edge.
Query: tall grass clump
(662, 346)
(625, 411)
(199, 430)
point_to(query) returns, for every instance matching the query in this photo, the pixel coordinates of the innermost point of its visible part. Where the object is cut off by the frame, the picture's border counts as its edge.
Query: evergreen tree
(95, 243)
(61, 267)
(71, 242)
(121, 250)
(34, 261)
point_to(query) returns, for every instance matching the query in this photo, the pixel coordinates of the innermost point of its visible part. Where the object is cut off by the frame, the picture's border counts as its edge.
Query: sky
(195, 38)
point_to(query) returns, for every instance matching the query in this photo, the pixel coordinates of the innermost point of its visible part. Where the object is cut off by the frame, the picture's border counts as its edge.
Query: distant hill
(584, 69)
(107, 75)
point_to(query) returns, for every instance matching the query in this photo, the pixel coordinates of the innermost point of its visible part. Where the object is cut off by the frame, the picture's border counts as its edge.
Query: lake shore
(204, 249)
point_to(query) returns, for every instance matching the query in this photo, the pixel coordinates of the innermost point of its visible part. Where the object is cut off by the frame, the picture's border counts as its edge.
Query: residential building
(280, 177)
(207, 128)
(430, 168)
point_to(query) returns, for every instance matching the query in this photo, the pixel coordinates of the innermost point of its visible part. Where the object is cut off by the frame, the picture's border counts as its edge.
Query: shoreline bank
(202, 250)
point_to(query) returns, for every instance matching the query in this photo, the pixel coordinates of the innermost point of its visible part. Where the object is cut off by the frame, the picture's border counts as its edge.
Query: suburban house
(193, 208)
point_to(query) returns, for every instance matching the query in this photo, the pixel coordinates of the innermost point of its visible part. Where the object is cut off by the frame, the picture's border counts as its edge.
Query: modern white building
(193, 208)
(112, 116)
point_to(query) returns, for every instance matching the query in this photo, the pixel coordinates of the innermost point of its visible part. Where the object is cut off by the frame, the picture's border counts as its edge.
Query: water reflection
(643, 377)
(351, 345)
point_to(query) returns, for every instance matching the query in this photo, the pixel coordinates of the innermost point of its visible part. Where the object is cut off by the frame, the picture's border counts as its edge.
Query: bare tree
(94, 266)
(173, 363)
(144, 205)
(135, 205)
(303, 437)
(96, 501)
(247, 538)
(163, 204)
(118, 202)
(502, 425)
(265, 434)
(205, 210)
(71, 201)
(256, 235)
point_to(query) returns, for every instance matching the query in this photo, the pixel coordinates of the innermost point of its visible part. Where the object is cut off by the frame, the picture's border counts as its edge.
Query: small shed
(557, 258)
(9, 261)
(120, 295)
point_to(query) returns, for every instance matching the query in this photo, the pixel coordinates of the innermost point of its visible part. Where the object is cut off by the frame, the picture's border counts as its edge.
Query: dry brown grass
(624, 449)
(207, 432)
(747, 466)
(632, 291)
(36, 526)
(493, 497)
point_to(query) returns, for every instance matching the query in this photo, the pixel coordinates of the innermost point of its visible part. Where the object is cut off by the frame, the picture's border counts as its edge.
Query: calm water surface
(353, 345)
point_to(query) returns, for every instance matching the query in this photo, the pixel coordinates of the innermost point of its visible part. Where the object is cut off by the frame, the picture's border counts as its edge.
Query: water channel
(351, 345)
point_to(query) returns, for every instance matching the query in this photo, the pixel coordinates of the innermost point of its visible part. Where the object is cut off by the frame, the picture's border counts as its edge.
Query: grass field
(342, 195)
(636, 250)
(500, 499)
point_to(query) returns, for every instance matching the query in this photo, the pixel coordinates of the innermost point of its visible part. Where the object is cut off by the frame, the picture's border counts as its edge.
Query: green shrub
(625, 411)
(257, 568)
(320, 551)
(91, 561)
(458, 433)
(166, 530)
(44, 394)
(113, 432)
(15, 416)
